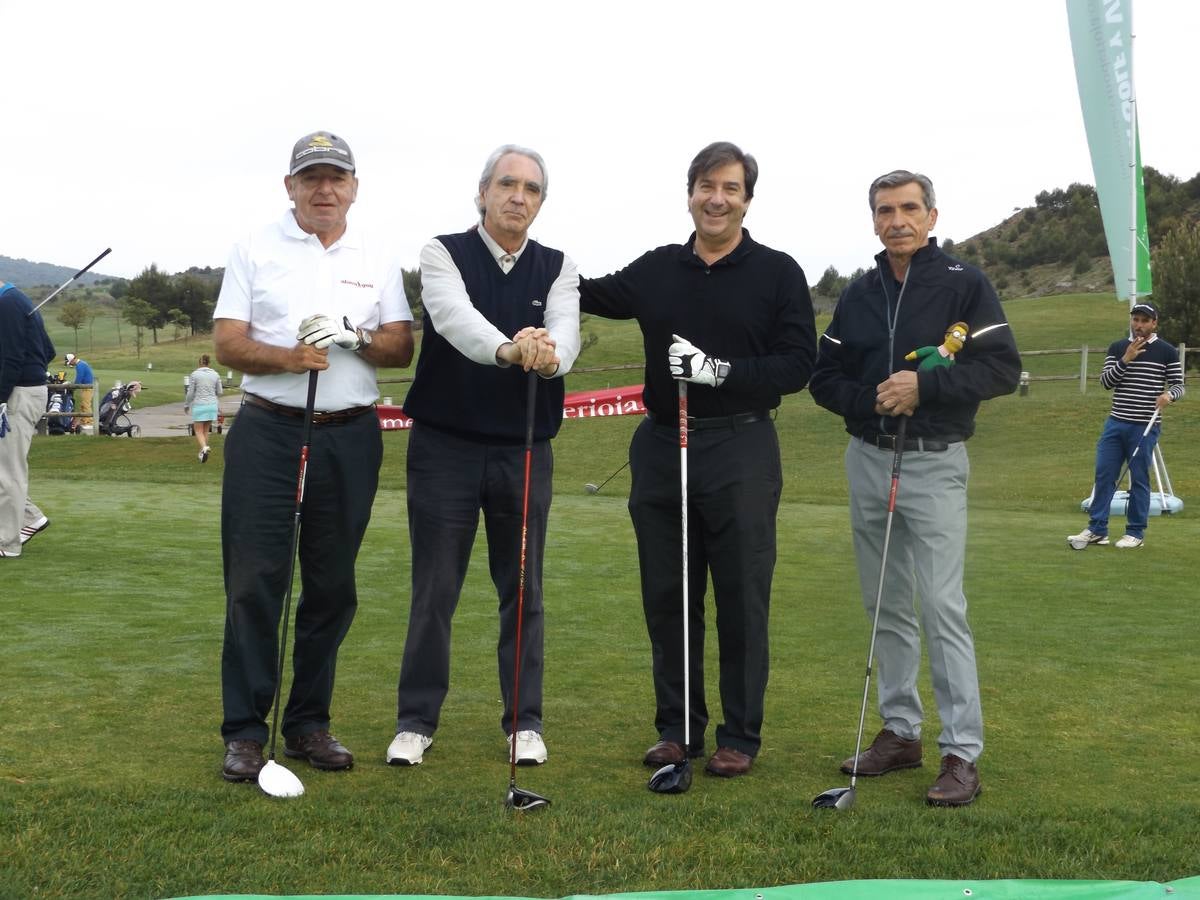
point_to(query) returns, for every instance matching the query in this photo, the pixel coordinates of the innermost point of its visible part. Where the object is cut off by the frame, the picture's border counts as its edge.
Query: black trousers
(258, 504)
(450, 479)
(734, 485)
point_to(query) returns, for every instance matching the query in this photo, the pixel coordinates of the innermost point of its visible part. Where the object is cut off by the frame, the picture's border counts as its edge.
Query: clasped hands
(899, 395)
(533, 349)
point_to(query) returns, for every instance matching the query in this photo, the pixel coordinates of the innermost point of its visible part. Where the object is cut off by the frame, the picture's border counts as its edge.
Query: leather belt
(337, 417)
(700, 424)
(928, 445)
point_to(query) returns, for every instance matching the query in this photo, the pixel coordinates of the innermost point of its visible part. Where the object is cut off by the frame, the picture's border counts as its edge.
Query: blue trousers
(1117, 443)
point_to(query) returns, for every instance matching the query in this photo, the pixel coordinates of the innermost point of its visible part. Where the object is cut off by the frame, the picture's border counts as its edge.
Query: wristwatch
(364, 339)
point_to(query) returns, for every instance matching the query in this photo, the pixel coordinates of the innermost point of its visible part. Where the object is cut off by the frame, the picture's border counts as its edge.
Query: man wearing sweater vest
(1144, 374)
(499, 309)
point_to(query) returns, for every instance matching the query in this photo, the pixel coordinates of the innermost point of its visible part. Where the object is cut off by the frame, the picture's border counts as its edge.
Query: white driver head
(277, 781)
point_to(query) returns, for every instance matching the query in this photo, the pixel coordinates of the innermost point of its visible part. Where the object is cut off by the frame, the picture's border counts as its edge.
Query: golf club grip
(901, 430)
(530, 399)
(107, 251)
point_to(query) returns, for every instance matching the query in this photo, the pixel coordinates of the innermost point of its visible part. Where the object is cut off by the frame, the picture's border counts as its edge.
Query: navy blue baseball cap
(1144, 309)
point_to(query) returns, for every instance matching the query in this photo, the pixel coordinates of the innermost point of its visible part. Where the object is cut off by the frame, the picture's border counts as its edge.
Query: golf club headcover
(689, 363)
(3, 419)
(320, 331)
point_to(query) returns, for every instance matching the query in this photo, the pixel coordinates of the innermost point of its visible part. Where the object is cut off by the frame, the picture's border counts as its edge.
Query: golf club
(843, 798)
(1082, 545)
(66, 283)
(273, 778)
(676, 778)
(516, 798)
(595, 488)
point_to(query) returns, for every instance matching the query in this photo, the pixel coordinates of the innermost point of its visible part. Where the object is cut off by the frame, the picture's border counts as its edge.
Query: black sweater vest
(485, 402)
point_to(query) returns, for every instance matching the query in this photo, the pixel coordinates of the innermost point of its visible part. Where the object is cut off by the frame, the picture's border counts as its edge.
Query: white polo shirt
(280, 275)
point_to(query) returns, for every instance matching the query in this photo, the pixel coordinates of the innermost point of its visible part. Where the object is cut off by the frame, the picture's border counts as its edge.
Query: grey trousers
(925, 561)
(25, 407)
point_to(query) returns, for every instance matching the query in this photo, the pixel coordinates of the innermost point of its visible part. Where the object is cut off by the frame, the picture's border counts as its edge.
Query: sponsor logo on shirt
(535, 302)
(359, 284)
(957, 267)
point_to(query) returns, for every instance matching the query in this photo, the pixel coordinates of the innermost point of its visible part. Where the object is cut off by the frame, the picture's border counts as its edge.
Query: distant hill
(25, 274)
(1057, 245)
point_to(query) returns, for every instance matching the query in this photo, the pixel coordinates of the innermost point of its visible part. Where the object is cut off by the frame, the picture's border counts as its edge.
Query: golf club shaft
(530, 398)
(683, 519)
(901, 429)
(622, 468)
(309, 405)
(66, 283)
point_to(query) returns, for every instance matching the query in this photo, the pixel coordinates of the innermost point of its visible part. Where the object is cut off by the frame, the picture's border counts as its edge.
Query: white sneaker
(531, 749)
(408, 749)
(29, 531)
(1084, 538)
(1129, 542)
(204, 455)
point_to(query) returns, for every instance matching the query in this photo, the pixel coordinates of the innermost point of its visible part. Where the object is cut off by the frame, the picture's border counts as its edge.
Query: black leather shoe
(243, 760)
(321, 749)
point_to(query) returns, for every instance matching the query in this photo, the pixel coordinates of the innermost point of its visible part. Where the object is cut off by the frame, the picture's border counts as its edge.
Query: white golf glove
(320, 331)
(3, 419)
(688, 363)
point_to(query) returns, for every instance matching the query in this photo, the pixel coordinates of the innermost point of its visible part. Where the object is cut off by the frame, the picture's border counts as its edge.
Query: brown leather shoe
(728, 762)
(664, 753)
(887, 753)
(243, 759)
(957, 785)
(321, 749)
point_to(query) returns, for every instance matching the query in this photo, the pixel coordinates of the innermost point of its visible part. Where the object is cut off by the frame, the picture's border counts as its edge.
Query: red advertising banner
(621, 401)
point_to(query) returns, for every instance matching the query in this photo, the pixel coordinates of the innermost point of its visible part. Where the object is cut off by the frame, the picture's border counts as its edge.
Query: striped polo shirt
(1136, 385)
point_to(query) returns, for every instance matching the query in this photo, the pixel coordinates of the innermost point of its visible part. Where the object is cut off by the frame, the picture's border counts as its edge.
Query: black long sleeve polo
(751, 308)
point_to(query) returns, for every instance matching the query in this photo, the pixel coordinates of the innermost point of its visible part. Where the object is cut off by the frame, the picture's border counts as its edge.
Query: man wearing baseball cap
(307, 293)
(1144, 374)
(85, 381)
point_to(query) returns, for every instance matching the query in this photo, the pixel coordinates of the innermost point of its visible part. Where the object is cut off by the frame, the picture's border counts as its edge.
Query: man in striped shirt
(1144, 374)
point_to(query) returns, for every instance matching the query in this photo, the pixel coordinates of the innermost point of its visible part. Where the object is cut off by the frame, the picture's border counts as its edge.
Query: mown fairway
(110, 753)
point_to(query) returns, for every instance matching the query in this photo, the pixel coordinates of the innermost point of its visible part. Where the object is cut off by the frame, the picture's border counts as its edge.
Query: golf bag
(114, 420)
(58, 402)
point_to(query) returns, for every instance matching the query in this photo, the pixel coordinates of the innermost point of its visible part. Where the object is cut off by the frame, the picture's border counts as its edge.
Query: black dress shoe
(321, 749)
(243, 760)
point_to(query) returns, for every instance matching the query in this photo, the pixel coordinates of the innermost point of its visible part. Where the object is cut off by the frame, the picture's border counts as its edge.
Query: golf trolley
(114, 410)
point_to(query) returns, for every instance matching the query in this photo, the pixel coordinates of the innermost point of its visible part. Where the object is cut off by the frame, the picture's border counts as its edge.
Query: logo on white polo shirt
(358, 284)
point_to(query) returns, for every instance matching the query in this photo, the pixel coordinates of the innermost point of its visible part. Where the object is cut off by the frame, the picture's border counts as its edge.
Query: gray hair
(899, 178)
(489, 168)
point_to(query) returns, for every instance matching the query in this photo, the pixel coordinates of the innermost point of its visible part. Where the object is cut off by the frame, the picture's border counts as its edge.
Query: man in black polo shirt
(733, 318)
(498, 306)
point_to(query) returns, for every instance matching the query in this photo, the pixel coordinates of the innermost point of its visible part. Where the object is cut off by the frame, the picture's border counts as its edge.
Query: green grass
(110, 753)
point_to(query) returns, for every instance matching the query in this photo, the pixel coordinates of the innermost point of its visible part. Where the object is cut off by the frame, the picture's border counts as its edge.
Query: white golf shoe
(1085, 538)
(1129, 542)
(408, 749)
(531, 749)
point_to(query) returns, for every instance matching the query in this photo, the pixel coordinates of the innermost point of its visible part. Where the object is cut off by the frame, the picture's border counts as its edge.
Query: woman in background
(204, 386)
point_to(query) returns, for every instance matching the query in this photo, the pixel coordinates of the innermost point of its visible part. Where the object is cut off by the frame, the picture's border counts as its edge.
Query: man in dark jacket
(25, 351)
(733, 318)
(909, 301)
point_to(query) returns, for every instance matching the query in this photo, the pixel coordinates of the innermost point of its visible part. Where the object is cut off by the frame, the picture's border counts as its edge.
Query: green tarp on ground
(1184, 889)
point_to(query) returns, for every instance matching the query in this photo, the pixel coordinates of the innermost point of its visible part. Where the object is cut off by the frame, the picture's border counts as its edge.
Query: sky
(162, 129)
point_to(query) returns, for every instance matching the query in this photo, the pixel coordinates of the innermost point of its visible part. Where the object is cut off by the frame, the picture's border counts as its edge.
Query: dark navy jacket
(856, 352)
